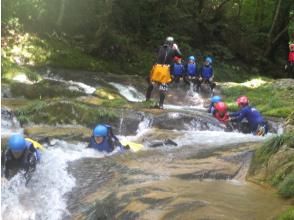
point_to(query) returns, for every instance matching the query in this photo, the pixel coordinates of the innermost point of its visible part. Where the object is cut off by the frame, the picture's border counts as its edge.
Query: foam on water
(44, 196)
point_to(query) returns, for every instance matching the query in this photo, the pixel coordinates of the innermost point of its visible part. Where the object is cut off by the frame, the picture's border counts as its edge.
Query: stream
(203, 177)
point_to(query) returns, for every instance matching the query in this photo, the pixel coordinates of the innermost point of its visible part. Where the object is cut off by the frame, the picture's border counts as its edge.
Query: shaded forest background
(127, 33)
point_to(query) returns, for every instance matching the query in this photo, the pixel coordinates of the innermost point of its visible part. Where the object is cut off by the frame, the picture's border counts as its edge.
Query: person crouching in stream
(22, 154)
(103, 139)
(257, 124)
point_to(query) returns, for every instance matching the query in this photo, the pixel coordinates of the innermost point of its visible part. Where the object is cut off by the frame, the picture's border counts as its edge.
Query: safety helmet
(221, 107)
(169, 40)
(208, 59)
(242, 100)
(16, 143)
(100, 131)
(176, 58)
(191, 58)
(291, 46)
(215, 99)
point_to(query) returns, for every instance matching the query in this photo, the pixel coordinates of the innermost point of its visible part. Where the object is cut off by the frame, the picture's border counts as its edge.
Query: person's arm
(240, 116)
(30, 167)
(177, 50)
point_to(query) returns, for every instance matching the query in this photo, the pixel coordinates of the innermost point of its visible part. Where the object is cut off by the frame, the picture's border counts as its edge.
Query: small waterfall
(9, 123)
(74, 86)
(129, 92)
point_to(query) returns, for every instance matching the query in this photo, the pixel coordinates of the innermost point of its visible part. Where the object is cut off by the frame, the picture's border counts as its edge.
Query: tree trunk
(61, 13)
(278, 34)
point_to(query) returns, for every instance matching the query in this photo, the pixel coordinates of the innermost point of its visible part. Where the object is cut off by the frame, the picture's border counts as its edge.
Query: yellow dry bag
(160, 73)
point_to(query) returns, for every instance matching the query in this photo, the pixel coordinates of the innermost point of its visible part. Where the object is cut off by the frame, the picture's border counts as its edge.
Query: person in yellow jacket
(160, 74)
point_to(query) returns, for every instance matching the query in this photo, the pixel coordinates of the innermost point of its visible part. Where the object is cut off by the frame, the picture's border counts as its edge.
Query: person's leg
(149, 91)
(162, 92)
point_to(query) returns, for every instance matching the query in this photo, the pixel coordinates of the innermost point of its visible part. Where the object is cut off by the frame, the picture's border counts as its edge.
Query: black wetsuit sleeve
(31, 164)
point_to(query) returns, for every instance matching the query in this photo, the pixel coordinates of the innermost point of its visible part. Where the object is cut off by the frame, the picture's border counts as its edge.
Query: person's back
(206, 72)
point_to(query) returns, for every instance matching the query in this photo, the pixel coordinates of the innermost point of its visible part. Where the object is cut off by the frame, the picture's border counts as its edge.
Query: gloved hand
(175, 47)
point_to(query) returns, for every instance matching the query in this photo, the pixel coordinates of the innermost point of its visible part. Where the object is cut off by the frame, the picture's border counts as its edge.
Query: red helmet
(176, 58)
(221, 107)
(242, 100)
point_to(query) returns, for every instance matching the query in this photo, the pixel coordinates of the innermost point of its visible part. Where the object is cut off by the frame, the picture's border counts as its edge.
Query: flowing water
(203, 177)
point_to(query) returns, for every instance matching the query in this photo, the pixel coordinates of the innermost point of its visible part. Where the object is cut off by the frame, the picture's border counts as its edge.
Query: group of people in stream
(24, 153)
(169, 68)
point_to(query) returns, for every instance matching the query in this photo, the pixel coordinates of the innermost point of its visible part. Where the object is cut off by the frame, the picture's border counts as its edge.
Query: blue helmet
(191, 58)
(16, 143)
(208, 59)
(215, 99)
(100, 131)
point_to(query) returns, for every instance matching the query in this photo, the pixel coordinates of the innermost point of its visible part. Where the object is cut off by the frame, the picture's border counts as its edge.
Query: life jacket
(178, 69)
(206, 71)
(191, 69)
(160, 73)
(222, 118)
(291, 57)
(108, 142)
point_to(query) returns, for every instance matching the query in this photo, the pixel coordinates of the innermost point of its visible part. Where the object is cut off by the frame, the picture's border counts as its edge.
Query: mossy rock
(59, 111)
(68, 132)
(43, 89)
(14, 103)
(91, 100)
(106, 93)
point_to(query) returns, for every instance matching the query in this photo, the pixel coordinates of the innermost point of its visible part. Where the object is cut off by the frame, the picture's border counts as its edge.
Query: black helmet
(169, 40)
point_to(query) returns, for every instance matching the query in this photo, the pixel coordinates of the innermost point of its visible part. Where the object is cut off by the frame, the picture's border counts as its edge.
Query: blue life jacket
(253, 117)
(191, 69)
(106, 144)
(206, 71)
(178, 69)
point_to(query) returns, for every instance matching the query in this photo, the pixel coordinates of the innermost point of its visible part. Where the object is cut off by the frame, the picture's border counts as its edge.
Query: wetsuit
(27, 162)
(254, 118)
(165, 56)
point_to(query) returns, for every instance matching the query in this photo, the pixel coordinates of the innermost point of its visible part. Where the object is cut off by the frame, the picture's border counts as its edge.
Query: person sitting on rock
(206, 75)
(20, 155)
(177, 69)
(191, 75)
(258, 126)
(220, 112)
(213, 101)
(103, 139)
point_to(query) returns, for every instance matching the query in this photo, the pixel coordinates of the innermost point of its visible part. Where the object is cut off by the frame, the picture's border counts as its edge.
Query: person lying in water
(21, 154)
(104, 140)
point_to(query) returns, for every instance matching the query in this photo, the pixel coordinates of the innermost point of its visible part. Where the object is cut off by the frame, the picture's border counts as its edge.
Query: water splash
(9, 124)
(44, 196)
(129, 92)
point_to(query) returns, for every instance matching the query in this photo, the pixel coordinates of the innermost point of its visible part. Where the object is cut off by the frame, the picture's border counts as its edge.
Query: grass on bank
(287, 215)
(269, 99)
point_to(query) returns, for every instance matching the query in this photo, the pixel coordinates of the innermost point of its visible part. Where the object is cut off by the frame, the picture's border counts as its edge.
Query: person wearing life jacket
(191, 71)
(177, 69)
(220, 112)
(213, 101)
(21, 154)
(257, 124)
(160, 73)
(103, 139)
(206, 74)
(290, 64)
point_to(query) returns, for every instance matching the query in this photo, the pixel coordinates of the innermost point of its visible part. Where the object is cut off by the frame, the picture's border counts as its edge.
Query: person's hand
(175, 47)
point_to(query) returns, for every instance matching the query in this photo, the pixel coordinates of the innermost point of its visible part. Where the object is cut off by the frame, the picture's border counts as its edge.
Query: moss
(274, 164)
(287, 215)
(59, 111)
(43, 89)
(271, 101)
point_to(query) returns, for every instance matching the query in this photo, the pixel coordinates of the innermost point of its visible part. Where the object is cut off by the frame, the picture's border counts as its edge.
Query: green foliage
(286, 188)
(268, 99)
(287, 215)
